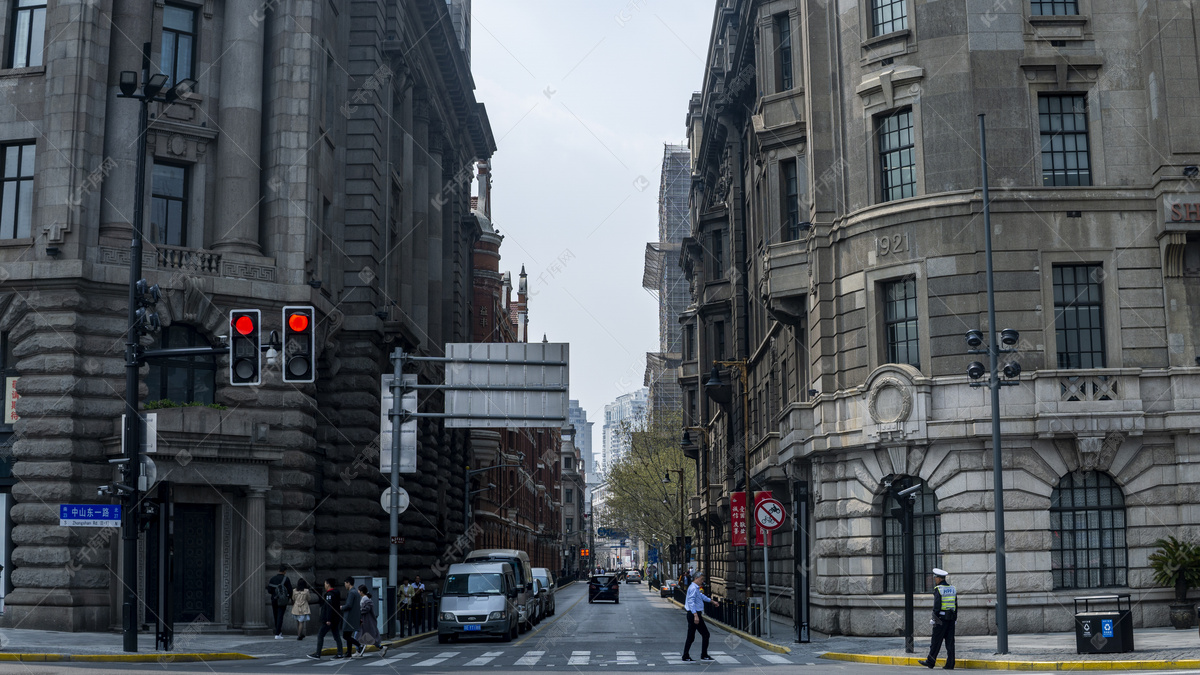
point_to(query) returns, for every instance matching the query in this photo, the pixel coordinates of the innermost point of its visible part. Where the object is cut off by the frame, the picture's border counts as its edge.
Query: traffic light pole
(394, 505)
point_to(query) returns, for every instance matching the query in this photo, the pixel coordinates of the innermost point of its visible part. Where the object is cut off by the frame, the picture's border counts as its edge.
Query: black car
(604, 587)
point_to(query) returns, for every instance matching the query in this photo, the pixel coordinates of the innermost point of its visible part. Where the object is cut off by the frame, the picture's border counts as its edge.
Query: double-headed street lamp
(141, 321)
(679, 546)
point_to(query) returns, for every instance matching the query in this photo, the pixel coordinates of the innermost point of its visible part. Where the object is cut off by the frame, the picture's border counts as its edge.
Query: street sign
(408, 429)
(385, 500)
(398, 540)
(769, 514)
(149, 432)
(504, 385)
(89, 515)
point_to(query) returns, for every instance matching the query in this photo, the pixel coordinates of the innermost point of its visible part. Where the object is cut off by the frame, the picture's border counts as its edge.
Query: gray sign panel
(511, 385)
(408, 430)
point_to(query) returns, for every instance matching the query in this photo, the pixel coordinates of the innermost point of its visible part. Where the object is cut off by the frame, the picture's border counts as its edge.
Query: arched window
(1087, 532)
(185, 379)
(927, 526)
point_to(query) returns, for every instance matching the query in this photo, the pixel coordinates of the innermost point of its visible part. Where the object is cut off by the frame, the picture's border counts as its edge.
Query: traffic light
(245, 348)
(584, 552)
(299, 344)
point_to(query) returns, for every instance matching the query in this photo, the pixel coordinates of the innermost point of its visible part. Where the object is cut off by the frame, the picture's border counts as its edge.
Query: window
(1063, 121)
(570, 498)
(1087, 532)
(888, 16)
(178, 44)
(783, 58)
(1054, 7)
(568, 462)
(717, 252)
(8, 363)
(1079, 316)
(927, 525)
(185, 379)
(689, 342)
(897, 155)
(570, 524)
(719, 341)
(900, 322)
(28, 33)
(790, 190)
(16, 190)
(168, 205)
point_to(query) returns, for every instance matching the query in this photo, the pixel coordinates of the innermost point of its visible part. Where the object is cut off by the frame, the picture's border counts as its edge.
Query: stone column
(240, 122)
(253, 590)
(427, 187)
(131, 21)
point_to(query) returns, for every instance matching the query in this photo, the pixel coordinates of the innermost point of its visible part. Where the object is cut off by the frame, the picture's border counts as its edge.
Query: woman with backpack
(300, 609)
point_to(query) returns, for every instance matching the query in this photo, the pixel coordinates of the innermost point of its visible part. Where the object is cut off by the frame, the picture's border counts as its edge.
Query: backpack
(279, 593)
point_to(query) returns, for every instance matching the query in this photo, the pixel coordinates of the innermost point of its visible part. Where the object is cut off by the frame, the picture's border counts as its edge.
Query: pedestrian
(330, 619)
(350, 617)
(300, 609)
(694, 605)
(279, 588)
(368, 623)
(419, 600)
(404, 597)
(945, 614)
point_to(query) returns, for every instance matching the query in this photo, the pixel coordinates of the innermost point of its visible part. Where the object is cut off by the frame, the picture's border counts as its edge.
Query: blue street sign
(89, 515)
(652, 555)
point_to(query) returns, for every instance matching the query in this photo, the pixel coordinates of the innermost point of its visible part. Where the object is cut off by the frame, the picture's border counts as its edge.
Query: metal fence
(735, 614)
(418, 617)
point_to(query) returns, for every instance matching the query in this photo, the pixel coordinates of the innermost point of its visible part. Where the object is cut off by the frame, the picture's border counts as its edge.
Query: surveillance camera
(974, 338)
(1009, 336)
(1012, 370)
(975, 370)
(909, 491)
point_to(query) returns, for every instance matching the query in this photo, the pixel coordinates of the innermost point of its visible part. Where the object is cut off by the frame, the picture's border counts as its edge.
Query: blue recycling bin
(1104, 629)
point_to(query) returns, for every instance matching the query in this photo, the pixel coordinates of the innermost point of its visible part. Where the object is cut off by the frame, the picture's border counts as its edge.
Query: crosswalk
(517, 657)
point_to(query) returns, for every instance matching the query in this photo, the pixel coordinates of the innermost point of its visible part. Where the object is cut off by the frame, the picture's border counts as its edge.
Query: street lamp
(151, 92)
(682, 530)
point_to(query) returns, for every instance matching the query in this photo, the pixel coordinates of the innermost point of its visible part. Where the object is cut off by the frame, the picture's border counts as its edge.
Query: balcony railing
(187, 260)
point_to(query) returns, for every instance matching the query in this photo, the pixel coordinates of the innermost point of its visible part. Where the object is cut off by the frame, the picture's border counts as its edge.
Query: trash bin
(1103, 630)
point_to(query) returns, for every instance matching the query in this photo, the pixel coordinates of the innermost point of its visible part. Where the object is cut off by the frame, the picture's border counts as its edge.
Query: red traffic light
(244, 324)
(298, 322)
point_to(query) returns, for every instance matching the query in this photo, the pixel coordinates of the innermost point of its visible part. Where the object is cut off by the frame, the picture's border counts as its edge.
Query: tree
(638, 501)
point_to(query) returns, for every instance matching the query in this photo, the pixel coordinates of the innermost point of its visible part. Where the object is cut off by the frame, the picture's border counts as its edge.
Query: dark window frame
(717, 254)
(1095, 499)
(789, 192)
(11, 187)
(884, 18)
(927, 552)
(159, 377)
(1039, 7)
(901, 313)
(32, 58)
(172, 72)
(1079, 300)
(785, 79)
(1065, 147)
(897, 147)
(161, 234)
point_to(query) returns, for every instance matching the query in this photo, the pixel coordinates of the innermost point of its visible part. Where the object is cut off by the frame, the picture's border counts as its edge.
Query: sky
(582, 95)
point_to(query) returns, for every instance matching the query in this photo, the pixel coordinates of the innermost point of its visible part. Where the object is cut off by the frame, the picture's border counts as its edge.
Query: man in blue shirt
(694, 605)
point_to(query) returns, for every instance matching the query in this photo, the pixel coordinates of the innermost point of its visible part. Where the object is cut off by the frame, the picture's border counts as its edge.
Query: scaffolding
(664, 278)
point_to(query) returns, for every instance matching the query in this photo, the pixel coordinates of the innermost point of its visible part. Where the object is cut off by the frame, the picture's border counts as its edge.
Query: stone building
(324, 158)
(836, 259)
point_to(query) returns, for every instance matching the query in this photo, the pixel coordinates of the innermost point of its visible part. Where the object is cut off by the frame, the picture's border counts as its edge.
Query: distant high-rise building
(629, 408)
(664, 277)
(577, 417)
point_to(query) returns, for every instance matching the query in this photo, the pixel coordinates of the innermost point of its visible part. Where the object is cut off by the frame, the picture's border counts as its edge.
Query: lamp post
(151, 91)
(468, 492)
(682, 531)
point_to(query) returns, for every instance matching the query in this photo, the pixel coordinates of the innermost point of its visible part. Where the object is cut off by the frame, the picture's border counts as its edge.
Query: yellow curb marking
(771, 646)
(165, 657)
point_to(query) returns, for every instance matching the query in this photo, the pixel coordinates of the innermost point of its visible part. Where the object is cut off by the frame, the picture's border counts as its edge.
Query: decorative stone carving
(890, 401)
(1090, 453)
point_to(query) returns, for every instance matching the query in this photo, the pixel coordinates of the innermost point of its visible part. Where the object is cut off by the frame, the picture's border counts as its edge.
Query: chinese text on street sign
(89, 515)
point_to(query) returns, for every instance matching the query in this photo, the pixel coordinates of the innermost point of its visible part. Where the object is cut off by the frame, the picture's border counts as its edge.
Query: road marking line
(483, 660)
(579, 658)
(289, 662)
(390, 661)
(331, 662)
(437, 659)
(673, 658)
(722, 657)
(774, 658)
(530, 659)
(626, 659)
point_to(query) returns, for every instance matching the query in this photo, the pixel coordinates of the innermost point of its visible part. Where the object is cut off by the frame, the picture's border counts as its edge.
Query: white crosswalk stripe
(436, 660)
(579, 658)
(391, 660)
(329, 661)
(626, 659)
(722, 657)
(774, 658)
(673, 658)
(291, 662)
(483, 660)
(530, 659)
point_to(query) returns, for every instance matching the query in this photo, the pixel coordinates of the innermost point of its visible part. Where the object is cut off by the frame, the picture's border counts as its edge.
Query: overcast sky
(582, 95)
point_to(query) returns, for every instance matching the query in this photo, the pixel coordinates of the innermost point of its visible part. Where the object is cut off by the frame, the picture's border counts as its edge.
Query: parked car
(478, 599)
(524, 575)
(633, 577)
(604, 587)
(550, 586)
(668, 588)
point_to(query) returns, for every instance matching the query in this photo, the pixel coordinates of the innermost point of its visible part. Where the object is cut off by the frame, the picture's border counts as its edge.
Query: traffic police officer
(945, 613)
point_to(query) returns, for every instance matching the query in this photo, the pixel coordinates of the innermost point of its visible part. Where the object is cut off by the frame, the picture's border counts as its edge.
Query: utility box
(1103, 624)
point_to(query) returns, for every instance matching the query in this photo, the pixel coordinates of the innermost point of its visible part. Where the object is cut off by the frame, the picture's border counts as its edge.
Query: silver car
(478, 599)
(549, 585)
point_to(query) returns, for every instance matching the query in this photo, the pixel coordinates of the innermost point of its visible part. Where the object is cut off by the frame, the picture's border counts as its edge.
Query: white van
(524, 573)
(478, 599)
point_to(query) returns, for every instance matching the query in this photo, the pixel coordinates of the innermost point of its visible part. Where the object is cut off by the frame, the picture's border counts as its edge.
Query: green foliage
(164, 403)
(638, 501)
(1176, 563)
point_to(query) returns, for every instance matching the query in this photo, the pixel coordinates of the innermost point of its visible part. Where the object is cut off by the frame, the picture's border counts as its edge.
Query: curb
(400, 642)
(983, 664)
(771, 646)
(165, 657)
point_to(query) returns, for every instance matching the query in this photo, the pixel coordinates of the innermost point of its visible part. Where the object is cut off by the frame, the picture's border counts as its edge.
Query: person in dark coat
(350, 617)
(368, 623)
(330, 620)
(279, 588)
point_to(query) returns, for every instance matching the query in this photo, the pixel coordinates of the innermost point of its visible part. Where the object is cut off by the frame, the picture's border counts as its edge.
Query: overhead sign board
(408, 429)
(507, 385)
(89, 515)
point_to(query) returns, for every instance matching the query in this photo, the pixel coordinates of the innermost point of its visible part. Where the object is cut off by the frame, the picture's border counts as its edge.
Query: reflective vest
(949, 598)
